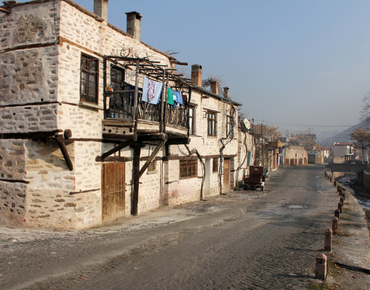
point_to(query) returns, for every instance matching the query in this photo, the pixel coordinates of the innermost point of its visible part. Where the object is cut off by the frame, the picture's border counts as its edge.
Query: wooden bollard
(335, 182)
(340, 205)
(321, 269)
(328, 240)
(342, 200)
(344, 196)
(336, 213)
(338, 188)
(335, 225)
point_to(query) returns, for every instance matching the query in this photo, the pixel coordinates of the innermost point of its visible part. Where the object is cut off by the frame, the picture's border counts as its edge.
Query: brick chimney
(214, 87)
(101, 8)
(196, 74)
(134, 24)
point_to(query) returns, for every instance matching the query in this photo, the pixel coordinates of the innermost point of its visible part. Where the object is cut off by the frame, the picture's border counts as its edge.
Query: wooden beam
(4, 10)
(175, 141)
(60, 140)
(135, 180)
(117, 137)
(117, 148)
(14, 180)
(151, 158)
(33, 135)
(113, 159)
(153, 137)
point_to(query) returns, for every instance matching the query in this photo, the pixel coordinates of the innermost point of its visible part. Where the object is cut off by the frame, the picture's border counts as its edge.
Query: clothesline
(152, 91)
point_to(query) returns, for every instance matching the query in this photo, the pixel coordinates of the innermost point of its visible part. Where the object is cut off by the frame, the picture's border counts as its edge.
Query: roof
(220, 97)
(323, 148)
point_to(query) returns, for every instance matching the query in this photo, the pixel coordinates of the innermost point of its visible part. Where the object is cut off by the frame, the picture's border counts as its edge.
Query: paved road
(246, 240)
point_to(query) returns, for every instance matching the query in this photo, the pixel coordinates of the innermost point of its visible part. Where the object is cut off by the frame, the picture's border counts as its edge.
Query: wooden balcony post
(135, 180)
(136, 96)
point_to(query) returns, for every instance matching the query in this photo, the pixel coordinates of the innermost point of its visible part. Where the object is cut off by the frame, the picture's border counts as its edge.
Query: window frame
(188, 168)
(152, 166)
(89, 79)
(191, 120)
(229, 126)
(211, 123)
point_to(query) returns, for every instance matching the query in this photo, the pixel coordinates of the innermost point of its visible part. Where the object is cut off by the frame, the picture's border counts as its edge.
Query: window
(212, 123)
(89, 79)
(152, 166)
(191, 121)
(117, 76)
(215, 165)
(188, 168)
(229, 126)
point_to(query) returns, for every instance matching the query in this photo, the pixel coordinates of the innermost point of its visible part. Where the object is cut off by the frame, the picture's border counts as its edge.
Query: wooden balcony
(119, 123)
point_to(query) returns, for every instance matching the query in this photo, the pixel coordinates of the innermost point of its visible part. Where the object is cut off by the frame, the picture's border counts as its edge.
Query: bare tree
(365, 112)
(361, 140)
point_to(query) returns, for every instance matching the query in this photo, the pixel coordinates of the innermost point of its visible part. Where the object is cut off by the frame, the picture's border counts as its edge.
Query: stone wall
(12, 184)
(29, 24)
(29, 76)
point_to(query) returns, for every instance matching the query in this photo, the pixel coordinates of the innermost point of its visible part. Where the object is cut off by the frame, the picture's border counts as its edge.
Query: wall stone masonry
(29, 24)
(12, 159)
(33, 118)
(29, 76)
(12, 202)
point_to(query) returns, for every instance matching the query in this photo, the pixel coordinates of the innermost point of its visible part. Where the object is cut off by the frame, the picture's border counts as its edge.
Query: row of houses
(96, 124)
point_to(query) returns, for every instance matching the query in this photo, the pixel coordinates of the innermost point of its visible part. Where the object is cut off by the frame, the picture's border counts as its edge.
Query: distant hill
(343, 136)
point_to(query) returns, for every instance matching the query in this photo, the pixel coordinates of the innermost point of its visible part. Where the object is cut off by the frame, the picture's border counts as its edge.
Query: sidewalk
(351, 246)
(145, 221)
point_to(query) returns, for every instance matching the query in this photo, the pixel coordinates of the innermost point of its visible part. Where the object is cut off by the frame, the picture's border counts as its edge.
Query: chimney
(101, 8)
(214, 87)
(134, 24)
(196, 74)
(226, 92)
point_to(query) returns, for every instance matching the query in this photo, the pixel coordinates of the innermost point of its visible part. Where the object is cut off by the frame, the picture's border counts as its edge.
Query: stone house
(294, 155)
(342, 149)
(96, 124)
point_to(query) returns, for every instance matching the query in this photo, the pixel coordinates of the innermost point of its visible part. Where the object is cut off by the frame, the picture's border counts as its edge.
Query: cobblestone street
(243, 240)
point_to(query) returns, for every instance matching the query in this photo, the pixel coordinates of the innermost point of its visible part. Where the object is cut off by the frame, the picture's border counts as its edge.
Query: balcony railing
(121, 107)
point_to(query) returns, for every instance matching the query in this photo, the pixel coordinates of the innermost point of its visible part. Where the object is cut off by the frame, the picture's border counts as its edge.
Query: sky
(289, 62)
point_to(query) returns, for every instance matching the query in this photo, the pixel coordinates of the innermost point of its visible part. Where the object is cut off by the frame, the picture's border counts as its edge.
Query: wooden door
(113, 190)
(226, 174)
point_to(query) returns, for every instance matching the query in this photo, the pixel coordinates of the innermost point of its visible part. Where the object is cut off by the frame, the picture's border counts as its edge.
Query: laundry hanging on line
(169, 96)
(177, 99)
(151, 91)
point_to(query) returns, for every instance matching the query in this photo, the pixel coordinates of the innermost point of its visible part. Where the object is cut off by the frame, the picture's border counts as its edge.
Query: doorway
(113, 191)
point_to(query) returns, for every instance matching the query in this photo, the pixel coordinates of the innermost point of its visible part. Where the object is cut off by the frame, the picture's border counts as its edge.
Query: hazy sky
(287, 61)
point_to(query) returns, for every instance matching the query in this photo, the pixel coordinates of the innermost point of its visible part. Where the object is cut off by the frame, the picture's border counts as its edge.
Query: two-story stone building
(95, 124)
